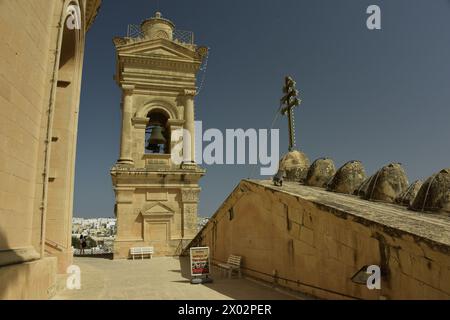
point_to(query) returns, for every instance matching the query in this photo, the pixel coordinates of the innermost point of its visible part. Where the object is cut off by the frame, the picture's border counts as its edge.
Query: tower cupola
(158, 28)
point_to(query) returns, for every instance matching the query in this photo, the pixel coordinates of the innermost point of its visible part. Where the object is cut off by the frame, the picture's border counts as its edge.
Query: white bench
(142, 251)
(233, 264)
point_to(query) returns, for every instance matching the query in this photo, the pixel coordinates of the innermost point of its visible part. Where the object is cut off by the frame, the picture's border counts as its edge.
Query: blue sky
(376, 96)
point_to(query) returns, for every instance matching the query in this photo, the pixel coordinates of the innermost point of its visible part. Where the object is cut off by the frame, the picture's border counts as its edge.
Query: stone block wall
(34, 41)
(314, 243)
(35, 280)
(25, 70)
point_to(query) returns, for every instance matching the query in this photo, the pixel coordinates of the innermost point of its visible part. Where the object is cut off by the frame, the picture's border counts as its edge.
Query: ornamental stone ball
(295, 165)
(348, 178)
(434, 196)
(320, 173)
(387, 184)
(406, 198)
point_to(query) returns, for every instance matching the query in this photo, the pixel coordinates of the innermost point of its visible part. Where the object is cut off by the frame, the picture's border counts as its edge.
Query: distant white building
(94, 226)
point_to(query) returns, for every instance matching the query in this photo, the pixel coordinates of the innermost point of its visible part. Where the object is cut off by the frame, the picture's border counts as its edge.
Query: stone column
(126, 139)
(189, 118)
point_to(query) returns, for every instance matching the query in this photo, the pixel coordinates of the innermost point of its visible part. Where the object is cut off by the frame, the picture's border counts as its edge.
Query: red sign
(200, 261)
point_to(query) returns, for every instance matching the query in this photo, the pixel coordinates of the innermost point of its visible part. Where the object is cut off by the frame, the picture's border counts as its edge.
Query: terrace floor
(161, 279)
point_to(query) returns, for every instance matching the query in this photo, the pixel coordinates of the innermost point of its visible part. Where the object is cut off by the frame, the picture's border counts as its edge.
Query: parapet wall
(35, 280)
(314, 241)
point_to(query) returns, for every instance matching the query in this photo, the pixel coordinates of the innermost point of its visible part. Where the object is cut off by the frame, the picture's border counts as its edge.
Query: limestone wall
(25, 67)
(312, 241)
(164, 218)
(40, 80)
(34, 280)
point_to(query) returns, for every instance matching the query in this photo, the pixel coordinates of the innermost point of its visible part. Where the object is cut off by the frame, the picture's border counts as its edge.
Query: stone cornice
(92, 8)
(150, 88)
(128, 88)
(142, 173)
(139, 45)
(146, 172)
(159, 83)
(167, 63)
(140, 123)
(176, 122)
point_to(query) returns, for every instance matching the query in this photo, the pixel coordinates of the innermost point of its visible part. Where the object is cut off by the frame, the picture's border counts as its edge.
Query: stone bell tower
(156, 197)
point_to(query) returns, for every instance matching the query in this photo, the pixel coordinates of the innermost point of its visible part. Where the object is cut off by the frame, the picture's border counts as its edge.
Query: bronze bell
(156, 139)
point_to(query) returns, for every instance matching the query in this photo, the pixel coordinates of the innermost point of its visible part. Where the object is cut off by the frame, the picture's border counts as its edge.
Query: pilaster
(126, 138)
(189, 116)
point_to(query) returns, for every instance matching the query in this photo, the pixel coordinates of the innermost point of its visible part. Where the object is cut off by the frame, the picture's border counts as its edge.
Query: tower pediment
(158, 48)
(158, 209)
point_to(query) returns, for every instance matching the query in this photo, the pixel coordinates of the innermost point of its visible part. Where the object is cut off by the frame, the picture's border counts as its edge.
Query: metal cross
(288, 103)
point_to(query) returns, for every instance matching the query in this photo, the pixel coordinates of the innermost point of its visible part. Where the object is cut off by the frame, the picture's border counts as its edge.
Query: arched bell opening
(157, 133)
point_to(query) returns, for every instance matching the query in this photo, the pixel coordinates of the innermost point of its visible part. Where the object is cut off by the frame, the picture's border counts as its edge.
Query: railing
(92, 251)
(181, 36)
(134, 31)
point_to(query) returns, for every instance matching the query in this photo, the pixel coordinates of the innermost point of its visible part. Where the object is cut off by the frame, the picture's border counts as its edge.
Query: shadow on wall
(8, 278)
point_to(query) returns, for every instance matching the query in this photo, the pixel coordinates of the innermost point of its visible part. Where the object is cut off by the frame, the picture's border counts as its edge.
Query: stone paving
(161, 279)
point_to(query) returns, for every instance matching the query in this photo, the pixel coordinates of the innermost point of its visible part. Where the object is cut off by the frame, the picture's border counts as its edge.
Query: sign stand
(200, 265)
(198, 280)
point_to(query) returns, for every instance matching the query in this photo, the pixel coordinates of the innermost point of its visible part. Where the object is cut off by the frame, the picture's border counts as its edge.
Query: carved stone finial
(118, 41)
(348, 178)
(202, 51)
(387, 184)
(295, 165)
(320, 173)
(434, 195)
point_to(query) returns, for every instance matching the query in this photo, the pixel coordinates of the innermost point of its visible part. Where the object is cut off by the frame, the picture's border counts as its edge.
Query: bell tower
(156, 197)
